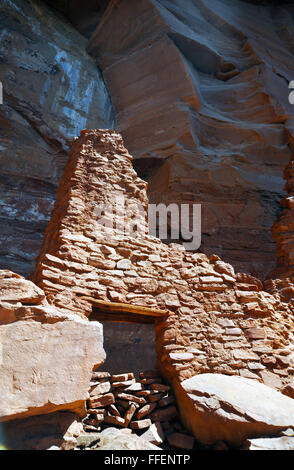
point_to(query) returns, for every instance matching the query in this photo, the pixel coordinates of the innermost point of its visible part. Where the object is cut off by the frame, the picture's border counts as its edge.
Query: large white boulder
(218, 407)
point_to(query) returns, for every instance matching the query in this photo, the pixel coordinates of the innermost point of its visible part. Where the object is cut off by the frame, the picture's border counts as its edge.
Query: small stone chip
(141, 424)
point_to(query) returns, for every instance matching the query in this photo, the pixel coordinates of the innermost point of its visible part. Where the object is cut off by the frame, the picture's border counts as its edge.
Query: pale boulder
(216, 407)
(273, 443)
(47, 367)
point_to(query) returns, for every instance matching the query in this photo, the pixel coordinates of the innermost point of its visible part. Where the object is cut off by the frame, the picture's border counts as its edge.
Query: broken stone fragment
(273, 443)
(141, 424)
(145, 410)
(124, 384)
(154, 434)
(113, 410)
(101, 376)
(100, 389)
(134, 387)
(216, 407)
(17, 289)
(130, 398)
(101, 401)
(116, 420)
(129, 414)
(122, 377)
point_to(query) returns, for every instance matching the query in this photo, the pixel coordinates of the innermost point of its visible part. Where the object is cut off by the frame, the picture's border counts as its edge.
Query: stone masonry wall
(220, 321)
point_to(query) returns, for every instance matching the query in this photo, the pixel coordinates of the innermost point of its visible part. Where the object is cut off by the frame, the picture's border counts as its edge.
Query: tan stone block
(101, 401)
(142, 424)
(115, 420)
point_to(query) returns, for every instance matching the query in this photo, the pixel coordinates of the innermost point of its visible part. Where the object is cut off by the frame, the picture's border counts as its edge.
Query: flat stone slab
(216, 407)
(272, 443)
(45, 367)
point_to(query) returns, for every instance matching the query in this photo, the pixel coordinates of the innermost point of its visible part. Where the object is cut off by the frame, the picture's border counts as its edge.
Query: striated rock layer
(52, 90)
(283, 229)
(200, 90)
(215, 320)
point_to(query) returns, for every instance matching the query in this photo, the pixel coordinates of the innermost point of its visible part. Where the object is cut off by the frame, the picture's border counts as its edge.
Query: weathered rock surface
(46, 367)
(46, 356)
(200, 91)
(208, 120)
(283, 233)
(52, 90)
(216, 408)
(278, 443)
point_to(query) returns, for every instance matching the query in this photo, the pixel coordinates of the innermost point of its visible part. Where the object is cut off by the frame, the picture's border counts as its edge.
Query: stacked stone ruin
(146, 406)
(218, 320)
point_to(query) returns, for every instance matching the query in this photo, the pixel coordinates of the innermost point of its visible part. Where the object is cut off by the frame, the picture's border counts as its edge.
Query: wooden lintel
(127, 309)
(103, 316)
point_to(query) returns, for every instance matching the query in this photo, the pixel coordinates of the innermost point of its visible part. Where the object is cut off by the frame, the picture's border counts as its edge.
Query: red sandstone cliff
(200, 91)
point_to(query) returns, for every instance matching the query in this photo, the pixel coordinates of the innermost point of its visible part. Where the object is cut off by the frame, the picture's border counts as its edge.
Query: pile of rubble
(145, 406)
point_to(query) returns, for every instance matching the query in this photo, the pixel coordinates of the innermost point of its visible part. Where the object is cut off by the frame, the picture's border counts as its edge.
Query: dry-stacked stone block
(129, 404)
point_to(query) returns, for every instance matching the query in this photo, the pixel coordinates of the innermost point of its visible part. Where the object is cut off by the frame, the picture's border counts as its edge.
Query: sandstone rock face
(83, 14)
(46, 356)
(52, 89)
(46, 367)
(222, 408)
(283, 231)
(202, 103)
(217, 320)
(200, 91)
